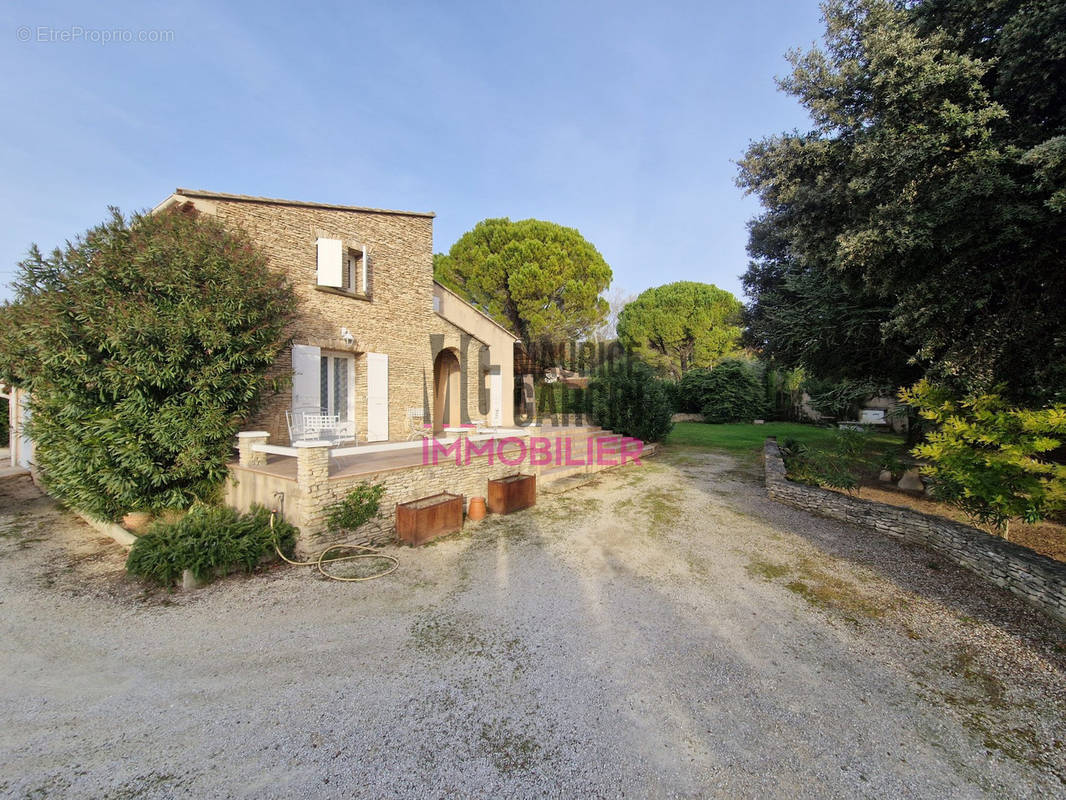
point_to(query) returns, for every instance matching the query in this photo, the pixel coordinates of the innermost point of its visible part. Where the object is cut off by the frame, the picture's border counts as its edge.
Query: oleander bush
(210, 541)
(144, 345)
(839, 466)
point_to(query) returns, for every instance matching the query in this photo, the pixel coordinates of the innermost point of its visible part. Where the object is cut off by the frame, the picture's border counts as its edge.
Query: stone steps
(559, 478)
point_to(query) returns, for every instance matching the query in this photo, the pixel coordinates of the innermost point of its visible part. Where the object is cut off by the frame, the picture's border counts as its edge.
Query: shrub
(5, 422)
(784, 393)
(357, 508)
(673, 395)
(691, 390)
(892, 460)
(629, 399)
(209, 541)
(144, 344)
(985, 457)
(838, 467)
(842, 399)
(731, 392)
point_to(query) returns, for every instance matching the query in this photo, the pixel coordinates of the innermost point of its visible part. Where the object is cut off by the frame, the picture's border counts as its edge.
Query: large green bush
(673, 394)
(5, 422)
(629, 399)
(731, 392)
(210, 541)
(690, 392)
(989, 459)
(144, 345)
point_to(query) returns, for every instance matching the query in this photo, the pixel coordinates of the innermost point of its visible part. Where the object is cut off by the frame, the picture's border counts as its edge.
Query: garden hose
(318, 562)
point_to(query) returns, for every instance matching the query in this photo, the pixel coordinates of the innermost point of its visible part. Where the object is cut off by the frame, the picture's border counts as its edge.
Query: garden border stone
(1037, 579)
(116, 532)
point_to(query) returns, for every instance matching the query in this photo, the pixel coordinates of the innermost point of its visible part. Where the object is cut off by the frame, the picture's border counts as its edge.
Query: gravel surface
(665, 631)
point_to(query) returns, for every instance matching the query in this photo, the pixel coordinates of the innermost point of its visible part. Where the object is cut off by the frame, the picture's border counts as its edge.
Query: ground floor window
(335, 385)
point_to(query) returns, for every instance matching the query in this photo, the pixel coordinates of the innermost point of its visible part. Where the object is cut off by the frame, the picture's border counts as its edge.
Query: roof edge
(466, 302)
(246, 198)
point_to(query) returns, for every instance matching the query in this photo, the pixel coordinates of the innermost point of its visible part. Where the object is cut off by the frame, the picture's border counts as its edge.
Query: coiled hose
(318, 562)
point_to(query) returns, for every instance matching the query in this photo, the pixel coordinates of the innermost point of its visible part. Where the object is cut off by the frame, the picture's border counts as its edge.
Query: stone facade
(1038, 580)
(395, 316)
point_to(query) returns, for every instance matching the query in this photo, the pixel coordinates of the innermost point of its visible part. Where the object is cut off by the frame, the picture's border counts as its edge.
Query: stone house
(377, 341)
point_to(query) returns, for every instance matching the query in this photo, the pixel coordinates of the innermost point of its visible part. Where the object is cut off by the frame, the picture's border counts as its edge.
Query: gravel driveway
(663, 632)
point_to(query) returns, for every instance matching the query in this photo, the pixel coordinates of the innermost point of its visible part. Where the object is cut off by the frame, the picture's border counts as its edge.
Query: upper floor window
(342, 267)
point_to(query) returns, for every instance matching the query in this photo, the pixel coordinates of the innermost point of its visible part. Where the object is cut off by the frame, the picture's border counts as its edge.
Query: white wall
(500, 343)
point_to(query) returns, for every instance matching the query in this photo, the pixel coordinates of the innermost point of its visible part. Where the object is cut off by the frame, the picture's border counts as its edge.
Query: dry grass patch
(821, 586)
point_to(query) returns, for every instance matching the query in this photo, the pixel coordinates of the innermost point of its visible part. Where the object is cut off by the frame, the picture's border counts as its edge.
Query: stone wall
(1038, 580)
(394, 317)
(679, 417)
(305, 498)
(315, 490)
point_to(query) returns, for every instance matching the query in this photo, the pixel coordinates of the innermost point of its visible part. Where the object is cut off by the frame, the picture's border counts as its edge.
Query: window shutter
(366, 273)
(377, 397)
(330, 263)
(306, 388)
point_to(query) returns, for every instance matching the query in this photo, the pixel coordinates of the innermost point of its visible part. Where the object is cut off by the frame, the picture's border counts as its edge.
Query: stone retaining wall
(687, 418)
(316, 490)
(306, 497)
(1038, 580)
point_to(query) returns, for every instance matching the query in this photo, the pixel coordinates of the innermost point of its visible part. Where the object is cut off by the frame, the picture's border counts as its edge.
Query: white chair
(311, 424)
(315, 424)
(294, 419)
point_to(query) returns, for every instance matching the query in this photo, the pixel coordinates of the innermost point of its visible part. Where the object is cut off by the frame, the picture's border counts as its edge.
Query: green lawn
(742, 437)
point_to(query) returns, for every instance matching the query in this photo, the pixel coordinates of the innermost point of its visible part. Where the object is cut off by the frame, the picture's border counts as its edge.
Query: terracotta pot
(476, 510)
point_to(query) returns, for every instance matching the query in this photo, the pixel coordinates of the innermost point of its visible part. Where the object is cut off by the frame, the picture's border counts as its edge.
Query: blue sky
(620, 119)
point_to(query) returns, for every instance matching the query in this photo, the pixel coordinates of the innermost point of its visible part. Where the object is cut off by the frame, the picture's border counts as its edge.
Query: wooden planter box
(421, 520)
(512, 493)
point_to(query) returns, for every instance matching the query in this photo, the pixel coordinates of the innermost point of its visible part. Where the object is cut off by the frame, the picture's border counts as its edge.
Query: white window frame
(349, 413)
(355, 272)
(350, 271)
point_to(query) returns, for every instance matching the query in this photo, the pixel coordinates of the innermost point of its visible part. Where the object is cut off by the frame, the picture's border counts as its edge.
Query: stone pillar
(248, 456)
(312, 463)
(312, 488)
